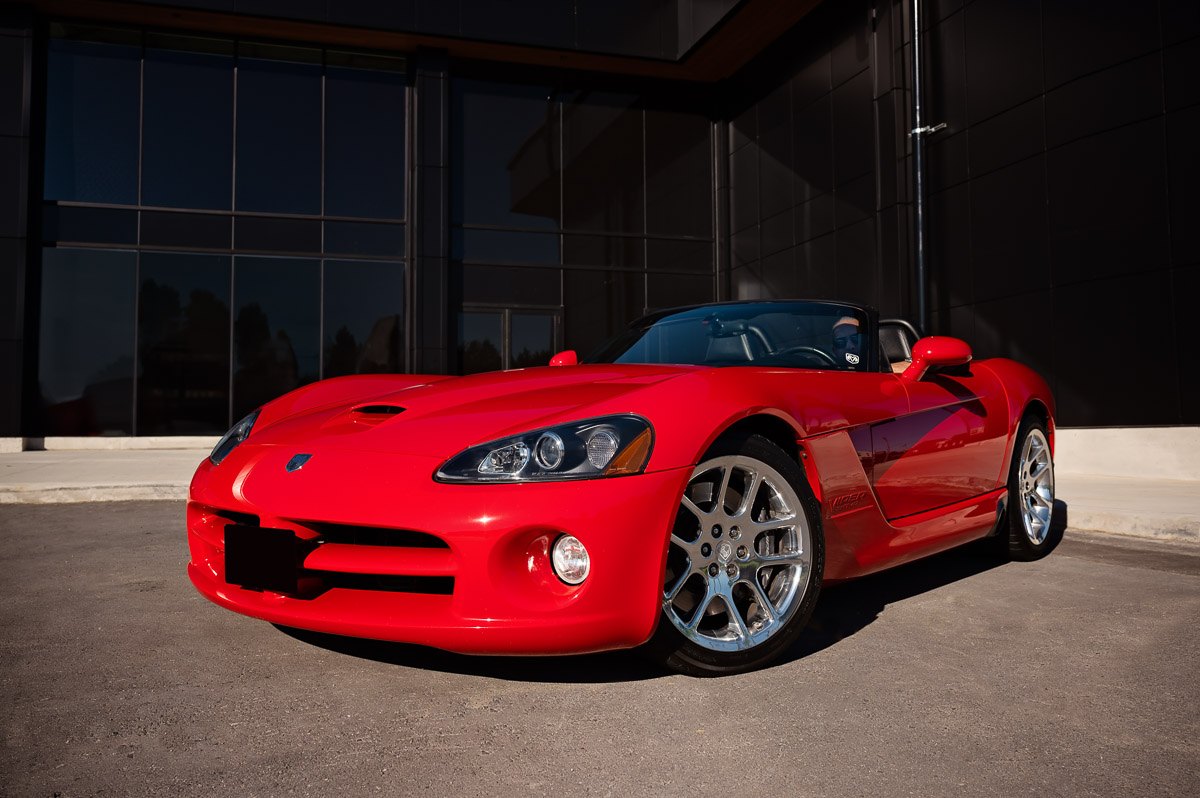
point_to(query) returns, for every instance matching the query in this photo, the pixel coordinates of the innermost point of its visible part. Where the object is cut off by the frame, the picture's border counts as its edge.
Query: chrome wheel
(1035, 484)
(740, 556)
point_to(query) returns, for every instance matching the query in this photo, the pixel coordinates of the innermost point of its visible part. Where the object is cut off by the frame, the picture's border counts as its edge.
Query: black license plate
(261, 558)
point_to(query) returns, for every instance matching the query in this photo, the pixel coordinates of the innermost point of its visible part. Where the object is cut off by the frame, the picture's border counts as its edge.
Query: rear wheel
(1031, 535)
(745, 561)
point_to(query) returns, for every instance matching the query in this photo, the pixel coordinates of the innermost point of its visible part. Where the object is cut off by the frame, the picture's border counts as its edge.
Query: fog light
(570, 560)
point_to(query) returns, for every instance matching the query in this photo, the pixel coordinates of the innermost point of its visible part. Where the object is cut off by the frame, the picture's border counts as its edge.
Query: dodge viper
(687, 489)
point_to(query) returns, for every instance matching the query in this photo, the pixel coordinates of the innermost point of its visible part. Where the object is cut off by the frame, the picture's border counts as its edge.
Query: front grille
(376, 536)
(431, 585)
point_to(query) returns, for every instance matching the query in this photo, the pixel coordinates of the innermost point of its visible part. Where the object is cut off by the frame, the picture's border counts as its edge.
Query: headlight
(596, 447)
(232, 438)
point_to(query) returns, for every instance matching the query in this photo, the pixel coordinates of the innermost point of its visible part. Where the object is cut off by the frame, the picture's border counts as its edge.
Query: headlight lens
(596, 447)
(232, 438)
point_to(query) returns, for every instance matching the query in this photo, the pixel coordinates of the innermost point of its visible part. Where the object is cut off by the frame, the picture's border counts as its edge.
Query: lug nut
(742, 552)
(705, 550)
(713, 570)
(734, 533)
(716, 530)
(732, 571)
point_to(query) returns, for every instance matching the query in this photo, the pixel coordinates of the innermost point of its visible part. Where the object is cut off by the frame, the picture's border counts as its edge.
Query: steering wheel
(809, 350)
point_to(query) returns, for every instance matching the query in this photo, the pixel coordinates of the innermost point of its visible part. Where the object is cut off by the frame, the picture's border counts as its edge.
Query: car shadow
(607, 667)
(842, 611)
(846, 608)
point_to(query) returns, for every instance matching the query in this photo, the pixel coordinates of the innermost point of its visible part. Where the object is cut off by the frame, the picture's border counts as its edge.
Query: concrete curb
(76, 494)
(1180, 529)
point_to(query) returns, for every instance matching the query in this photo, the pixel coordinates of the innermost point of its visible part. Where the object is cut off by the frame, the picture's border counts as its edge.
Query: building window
(598, 202)
(223, 221)
(490, 338)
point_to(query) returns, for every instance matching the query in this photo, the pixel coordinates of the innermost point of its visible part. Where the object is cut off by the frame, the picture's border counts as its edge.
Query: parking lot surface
(957, 675)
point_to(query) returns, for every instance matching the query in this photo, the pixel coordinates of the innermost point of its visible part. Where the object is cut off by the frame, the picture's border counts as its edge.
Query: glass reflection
(509, 284)
(480, 341)
(92, 122)
(364, 143)
(363, 312)
(276, 328)
(504, 246)
(85, 354)
(532, 340)
(598, 304)
(187, 130)
(603, 176)
(504, 155)
(278, 136)
(678, 174)
(183, 344)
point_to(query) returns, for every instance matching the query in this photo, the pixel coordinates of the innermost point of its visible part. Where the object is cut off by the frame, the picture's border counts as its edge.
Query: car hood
(443, 418)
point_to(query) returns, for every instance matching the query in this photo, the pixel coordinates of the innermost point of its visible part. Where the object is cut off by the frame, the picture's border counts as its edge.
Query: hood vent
(372, 415)
(378, 410)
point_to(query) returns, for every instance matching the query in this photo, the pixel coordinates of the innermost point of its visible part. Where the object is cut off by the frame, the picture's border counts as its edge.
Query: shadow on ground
(841, 612)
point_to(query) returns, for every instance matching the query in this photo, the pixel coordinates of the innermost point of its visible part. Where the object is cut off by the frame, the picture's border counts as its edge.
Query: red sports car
(688, 488)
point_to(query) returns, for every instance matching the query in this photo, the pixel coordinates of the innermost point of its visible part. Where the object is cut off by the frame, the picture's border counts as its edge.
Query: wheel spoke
(691, 507)
(773, 523)
(786, 558)
(764, 602)
(671, 595)
(724, 489)
(1039, 469)
(710, 593)
(743, 640)
(747, 504)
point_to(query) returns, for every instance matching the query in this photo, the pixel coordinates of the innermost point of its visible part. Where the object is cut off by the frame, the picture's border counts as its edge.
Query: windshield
(807, 335)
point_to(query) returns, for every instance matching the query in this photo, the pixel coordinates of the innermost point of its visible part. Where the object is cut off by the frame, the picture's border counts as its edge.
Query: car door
(949, 447)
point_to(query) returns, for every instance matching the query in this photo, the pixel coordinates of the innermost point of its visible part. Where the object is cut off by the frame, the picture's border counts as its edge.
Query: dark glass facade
(596, 202)
(223, 221)
(195, 221)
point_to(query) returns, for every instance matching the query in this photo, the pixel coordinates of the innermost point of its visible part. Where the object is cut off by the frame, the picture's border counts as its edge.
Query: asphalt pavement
(956, 675)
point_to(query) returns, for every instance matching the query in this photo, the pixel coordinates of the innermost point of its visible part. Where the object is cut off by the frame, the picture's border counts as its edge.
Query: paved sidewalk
(1149, 508)
(97, 475)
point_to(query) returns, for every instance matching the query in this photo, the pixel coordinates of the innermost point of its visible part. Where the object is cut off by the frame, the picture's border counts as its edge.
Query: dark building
(207, 203)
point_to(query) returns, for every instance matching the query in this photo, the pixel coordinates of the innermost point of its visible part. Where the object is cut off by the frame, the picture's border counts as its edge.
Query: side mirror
(936, 350)
(565, 358)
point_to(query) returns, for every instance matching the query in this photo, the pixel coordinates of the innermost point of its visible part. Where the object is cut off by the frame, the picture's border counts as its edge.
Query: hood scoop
(378, 410)
(373, 415)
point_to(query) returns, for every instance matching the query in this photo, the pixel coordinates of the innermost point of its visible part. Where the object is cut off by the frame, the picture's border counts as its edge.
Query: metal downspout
(919, 132)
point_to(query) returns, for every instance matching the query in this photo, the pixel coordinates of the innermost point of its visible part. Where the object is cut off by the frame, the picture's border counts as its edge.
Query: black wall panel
(1185, 287)
(1107, 197)
(1083, 36)
(1008, 137)
(1085, 106)
(16, 65)
(1004, 62)
(1062, 201)
(1183, 177)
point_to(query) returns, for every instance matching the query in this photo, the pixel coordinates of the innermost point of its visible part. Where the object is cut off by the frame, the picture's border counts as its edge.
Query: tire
(744, 562)
(1031, 531)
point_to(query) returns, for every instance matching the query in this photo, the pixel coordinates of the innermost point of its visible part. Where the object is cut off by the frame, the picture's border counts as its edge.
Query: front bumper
(358, 571)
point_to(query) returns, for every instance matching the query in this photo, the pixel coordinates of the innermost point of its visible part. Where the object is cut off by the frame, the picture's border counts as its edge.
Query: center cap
(725, 551)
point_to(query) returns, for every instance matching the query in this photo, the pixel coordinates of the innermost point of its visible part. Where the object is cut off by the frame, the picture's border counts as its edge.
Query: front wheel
(744, 564)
